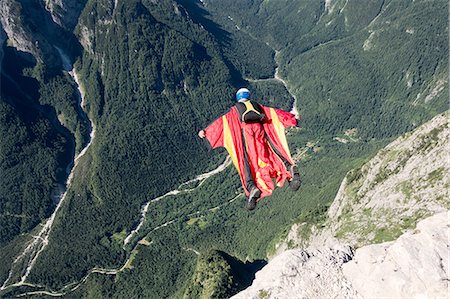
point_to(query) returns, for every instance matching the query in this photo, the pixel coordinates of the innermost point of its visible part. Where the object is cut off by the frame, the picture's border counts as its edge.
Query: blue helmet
(242, 93)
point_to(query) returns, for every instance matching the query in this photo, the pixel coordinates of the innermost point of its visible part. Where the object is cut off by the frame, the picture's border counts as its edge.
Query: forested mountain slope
(147, 75)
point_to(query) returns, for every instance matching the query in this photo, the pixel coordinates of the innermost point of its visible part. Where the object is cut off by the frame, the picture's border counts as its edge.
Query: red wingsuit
(259, 151)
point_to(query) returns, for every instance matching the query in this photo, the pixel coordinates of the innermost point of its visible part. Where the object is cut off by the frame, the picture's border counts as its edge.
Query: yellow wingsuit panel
(228, 143)
(279, 129)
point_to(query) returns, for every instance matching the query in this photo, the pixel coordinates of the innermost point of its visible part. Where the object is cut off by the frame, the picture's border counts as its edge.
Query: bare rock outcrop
(2, 41)
(297, 274)
(65, 13)
(405, 182)
(34, 28)
(416, 265)
(24, 34)
(413, 266)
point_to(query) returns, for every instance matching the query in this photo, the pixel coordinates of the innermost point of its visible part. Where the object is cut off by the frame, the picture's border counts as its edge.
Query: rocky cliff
(2, 41)
(34, 28)
(406, 182)
(413, 266)
(416, 265)
(23, 33)
(65, 13)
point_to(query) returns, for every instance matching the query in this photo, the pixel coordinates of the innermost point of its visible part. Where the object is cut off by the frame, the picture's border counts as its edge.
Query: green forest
(156, 72)
(34, 152)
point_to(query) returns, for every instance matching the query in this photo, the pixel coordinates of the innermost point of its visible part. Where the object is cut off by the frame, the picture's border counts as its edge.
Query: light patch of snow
(410, 30)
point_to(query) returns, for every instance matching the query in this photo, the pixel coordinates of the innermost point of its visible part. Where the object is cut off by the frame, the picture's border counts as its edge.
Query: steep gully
(23, 264)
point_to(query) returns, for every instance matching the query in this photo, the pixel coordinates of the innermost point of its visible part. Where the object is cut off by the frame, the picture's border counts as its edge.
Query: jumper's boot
(295, 182)
(255, 193)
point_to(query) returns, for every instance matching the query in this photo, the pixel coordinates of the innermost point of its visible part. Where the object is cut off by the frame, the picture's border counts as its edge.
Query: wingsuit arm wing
(214, 133)
(286, 118)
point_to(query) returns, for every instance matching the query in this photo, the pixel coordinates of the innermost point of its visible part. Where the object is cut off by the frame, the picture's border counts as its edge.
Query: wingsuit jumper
(254, 136)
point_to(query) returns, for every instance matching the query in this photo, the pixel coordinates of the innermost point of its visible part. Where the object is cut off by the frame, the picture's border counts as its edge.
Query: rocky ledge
(413, 266)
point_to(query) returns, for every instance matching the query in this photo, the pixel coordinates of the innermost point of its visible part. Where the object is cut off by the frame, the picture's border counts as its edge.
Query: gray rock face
(311, 273)
(65, 13)
(35, 27)
(416, 265)
(11, 22)
(2, 41)
(405, 182)
(19, 30)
